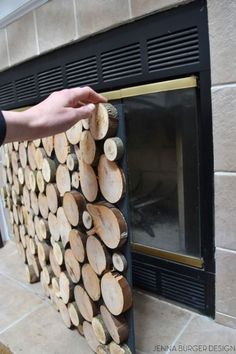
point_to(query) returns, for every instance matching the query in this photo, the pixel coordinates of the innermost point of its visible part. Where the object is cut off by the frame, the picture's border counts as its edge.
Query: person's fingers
(85, 95)
(84, 111)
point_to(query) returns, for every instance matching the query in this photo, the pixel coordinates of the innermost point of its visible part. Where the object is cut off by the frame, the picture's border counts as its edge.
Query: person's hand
(57, 113)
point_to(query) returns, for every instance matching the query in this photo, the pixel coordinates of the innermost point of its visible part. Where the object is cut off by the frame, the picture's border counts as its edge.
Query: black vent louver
(121, 63)
(26, 88)
(145, 277)
(173, 50)
(82, 72)
(49, 81)
(6, 94)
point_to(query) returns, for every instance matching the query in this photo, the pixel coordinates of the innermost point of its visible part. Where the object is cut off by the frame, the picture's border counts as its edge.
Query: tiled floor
(30, 325)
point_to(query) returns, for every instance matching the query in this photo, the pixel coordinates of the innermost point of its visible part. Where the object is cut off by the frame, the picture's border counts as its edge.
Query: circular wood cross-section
(116, 325)
(86, 306)
(77, 243)
(73, 205)
(74, 133)
(98, 255)
(91, 282)
(66, 288)
(88, 182)
(104, 121)
(63, 179)
(52, 195)
(87, 147)
(72, 266)
(62, 147)
(113, 148)
(90, 336)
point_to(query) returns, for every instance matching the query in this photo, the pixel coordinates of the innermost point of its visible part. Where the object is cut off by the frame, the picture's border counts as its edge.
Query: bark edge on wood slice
(98, 256)
(73, 205)
(72, 266)
(86, 306)
(88, 181)
(91, 282)
(119, 349)
(113, 148)
(66, 287)
(63, 179)
(77, 243)
(104, 121)
(74, 133)
(100, 330)
(119, 262)
(116, 325)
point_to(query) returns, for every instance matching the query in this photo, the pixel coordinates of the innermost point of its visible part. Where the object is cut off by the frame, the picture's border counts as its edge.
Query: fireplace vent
(173, 49)
(7, 94)
(145, 277)
(26, 88)
(50, 80)
(82, 72)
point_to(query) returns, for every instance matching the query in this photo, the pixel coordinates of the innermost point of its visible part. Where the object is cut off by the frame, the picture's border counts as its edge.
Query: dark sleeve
(3, 128)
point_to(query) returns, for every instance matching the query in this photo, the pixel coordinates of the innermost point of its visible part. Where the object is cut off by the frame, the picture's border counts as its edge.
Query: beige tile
(225, 206)
(224, 128)
(43, 332)
(21, 39)
(225, 320)
(15, 302)
(55, 24)
(3, 52)
(156, 322)
(204, 333)
(225, 282)
(143, 7)
(222, 31)
(96, 15)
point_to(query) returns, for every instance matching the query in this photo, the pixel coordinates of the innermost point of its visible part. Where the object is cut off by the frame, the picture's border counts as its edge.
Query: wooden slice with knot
(63, 179)
(74, 205)
(72, 266)
(104, 121)
(87, 220)
(109, 225)
(74, 133)
(100, 330)
(111, 180)
(90, 336)
(116, 293)
(53, 196)
(88, 181)
(86, 306)
(116, 325)
(61, 147)
(75, 180)
(48, 144)
(98, 255)
(91, 282)
(77, 243)
(88, 150)
(113, 148)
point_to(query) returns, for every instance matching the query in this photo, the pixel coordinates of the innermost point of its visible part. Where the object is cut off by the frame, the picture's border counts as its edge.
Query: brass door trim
(167, 255)
(170, 85)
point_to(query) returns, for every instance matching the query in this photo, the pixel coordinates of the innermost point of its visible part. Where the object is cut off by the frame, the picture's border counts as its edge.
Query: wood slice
(102, 349)
(53, 197)
(32, 181)
(36, 265)
(34, 202)
(14, 162)
(77, 243)
(75, 315)
(48, 274)
(16, 233)
(116, 325)
(64, 313)
(119, 262)
(37, 228)
(98, 255)
(33, 246)
(72, 266)
(74, 205)
(15, 198)
(86, 306)
(40, 154)
(37, 142)
(26, 198)
(43, 253)
(104, 121)
(90, 336)
(74, 133)
(91, 282)
(21, 251)
(31, 156)
(63, 179)
(49, 170)
(75, 180)
(27, 172)
(61, 147)
(44, 229)
(119, 349)
(29, 256)
(58, 251)
(109, 225)
(88, 148)
(116, 293)
(100, 330)
(43, 205)
(111, 180)
(55, 286)
(17, 186)
(72, 162)
(77, 152)
(66, 288)
(56, 268)
(88, 182)
(15, 214)
(85, 123)
(9, 175)
(22, 232)
(80, 330)
(40, 181)
(87, 220)
(16, 145)
(48, 144)
(44, 285)
(64, 226)
(21, 176)
(53, 227)
(53, 297)
(30, 225)
(22, 155)
(114, 149)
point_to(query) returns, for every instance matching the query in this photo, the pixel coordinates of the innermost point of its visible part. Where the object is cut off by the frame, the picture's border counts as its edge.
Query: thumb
(85, 111)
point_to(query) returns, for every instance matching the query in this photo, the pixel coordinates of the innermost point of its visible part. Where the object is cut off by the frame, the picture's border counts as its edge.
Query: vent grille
(121, 63)
(82, 72)
(49, 81)
(25, 88)
(7, 94)
(144, 277)
(173, 50)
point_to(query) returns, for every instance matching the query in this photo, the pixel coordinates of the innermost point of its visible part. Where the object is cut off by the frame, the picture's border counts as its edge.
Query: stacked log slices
(62, 194)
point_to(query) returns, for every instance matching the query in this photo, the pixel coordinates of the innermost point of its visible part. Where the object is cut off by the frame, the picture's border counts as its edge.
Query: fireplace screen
(163, 164)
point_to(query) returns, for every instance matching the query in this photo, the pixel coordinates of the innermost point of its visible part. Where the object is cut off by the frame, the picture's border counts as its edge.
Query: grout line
(221, 86)
(180, 333)
(21, 318)
(76, 21)
(36, 32)
(225, 249)
(223, 173)
(130, 9)
(8, 52)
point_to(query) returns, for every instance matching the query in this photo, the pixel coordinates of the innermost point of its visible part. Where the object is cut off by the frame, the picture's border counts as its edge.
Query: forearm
(18, 126)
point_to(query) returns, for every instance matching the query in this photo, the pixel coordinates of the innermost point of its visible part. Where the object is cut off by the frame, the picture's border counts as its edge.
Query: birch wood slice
(114, 148)
(53, 227)
(58, 251)
(64, 226)
(55, 285)
(72, 266)
(37, 142)
(26, 173)
(61, 147)
(116, 325)
(21, 175)
(22, 155)
(109, 225)
(102, 349)
(75, 179)
(100, 330)
(40, 181)
(116, 293)
(31, 156)
(40, 154)
(63, 179)
(56, 268)
(33, 246)
(53, 195)
(98, 255)
(64, 313)
(36, 265)
(90, 336)
(48, 144)
(49, 169)
(74, 133)
(17, 186)
(87, 220)
(44, 229)
(31, 276)
(43, 205)
(91, 282)
(32, 181)
(75, 315)
(43, 253)
(47, 273)
(44, 284)
(119, 262)
(34, 202)
(111, 180)
(73, 205)
(9, 175)
(77, 243)
(21, 251)
(86, 306)
(88, 182)
(119, 349)
(104, 121)
(72, 162)
(88, 147)
(16, 233)
(16, 145)
(66, 288)
(26, 198)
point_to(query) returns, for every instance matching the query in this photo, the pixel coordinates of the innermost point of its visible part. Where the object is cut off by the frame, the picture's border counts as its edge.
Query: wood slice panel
(86, 306)
(77, 243)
